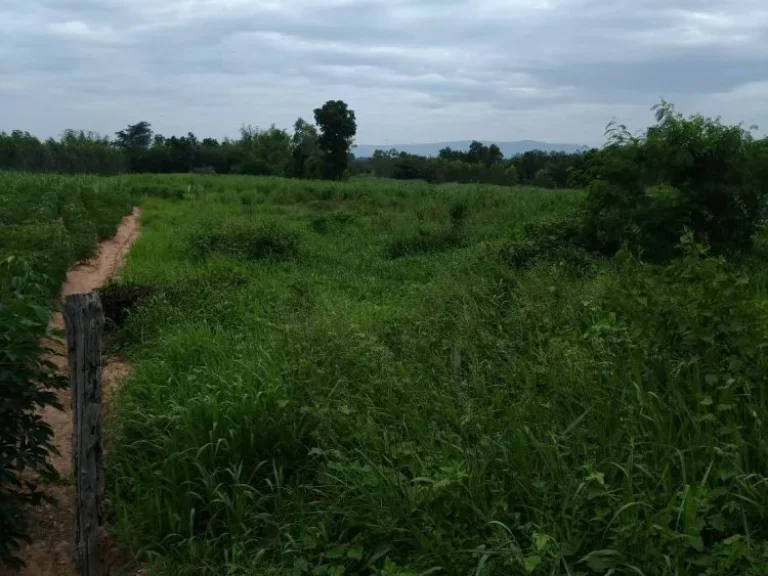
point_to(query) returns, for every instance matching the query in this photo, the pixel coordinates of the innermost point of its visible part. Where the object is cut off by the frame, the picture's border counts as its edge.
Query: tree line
(319, 150)
(322, 149)
(484, 164)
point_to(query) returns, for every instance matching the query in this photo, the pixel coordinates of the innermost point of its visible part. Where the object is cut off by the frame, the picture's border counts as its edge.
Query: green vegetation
(74, 153)
(460, 407)
(337, 131)
(402, 378)
(27, 384)
(693, 173)
(484, 164)
(324, 150)
(136, 148)
(46, 224)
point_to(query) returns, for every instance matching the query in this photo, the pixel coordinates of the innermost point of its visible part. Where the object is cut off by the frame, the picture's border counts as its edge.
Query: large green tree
(337, 131)
(306, 155)
(135, 136)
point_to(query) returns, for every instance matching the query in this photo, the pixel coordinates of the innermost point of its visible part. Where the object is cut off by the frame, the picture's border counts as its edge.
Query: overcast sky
(413, 70)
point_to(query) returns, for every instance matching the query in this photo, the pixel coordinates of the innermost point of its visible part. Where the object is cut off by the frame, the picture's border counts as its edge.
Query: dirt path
(50, 554)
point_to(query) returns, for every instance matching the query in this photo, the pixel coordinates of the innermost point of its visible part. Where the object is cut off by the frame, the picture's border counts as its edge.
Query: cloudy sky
(413, 70)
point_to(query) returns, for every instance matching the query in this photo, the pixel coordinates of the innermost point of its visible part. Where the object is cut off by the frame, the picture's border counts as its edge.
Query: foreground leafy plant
(47, 223)
(27, 385)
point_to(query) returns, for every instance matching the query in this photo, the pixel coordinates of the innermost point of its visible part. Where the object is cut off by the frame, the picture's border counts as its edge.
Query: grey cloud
(415, 70)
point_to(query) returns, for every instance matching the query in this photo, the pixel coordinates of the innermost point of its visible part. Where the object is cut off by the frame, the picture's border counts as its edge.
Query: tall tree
(477, 152)
(135, 136)
(337, 131)
(304, 149)
(494, 155)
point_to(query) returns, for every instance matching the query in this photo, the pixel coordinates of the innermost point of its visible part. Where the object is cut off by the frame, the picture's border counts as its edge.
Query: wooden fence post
(84, 326)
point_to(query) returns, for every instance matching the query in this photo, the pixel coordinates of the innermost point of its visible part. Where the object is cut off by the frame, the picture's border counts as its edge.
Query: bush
(27, 384)
(554, 240)
(693, 173)
(264, 241)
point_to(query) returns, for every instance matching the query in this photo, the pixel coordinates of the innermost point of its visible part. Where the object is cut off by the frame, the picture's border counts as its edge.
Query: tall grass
(442, 412)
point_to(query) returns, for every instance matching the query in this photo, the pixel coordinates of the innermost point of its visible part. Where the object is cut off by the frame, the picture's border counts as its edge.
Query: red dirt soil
(52, 526)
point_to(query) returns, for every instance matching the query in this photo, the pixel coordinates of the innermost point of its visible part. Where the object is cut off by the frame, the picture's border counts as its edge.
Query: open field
(344, 378)
(380, 377)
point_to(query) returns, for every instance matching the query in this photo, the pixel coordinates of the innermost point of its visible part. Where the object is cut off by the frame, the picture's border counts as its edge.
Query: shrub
(683, 172)
(27, 384)
(554, 240)
(264, 241)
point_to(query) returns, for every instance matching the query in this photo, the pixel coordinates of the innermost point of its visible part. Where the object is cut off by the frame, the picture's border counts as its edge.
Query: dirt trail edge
(51, 526)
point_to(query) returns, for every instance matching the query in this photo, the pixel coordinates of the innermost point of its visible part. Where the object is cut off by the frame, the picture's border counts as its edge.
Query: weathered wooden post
(84, 326)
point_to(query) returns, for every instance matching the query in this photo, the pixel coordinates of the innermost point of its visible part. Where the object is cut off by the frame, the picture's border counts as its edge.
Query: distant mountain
(509, 149)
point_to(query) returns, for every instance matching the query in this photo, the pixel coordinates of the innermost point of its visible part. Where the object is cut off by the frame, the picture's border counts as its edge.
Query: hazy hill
(509, 149)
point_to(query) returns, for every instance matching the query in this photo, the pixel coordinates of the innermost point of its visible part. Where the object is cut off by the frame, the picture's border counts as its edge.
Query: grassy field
(392, 378)
(380, 377)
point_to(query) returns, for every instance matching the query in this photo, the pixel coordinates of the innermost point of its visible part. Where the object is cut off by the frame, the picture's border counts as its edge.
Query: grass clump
(336, 220)
(554, 240)
(431, 239)
(246, 239)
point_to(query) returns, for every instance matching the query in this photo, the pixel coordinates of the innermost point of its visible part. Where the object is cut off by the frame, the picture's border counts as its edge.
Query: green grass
(351, 408)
